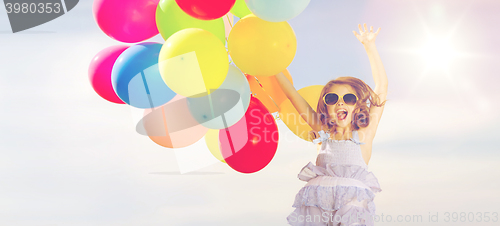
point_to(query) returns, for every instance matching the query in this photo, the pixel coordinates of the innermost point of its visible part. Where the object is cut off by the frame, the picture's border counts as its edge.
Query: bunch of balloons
(207, 79)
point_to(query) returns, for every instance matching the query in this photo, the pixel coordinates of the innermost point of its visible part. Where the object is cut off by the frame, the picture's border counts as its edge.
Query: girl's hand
(366, 36)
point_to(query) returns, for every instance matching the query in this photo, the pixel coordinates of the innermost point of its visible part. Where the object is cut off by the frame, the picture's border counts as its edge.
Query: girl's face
(341, 113)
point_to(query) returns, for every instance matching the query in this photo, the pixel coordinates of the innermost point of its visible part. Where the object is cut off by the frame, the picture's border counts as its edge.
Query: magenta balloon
(127, 21)
(100, 72)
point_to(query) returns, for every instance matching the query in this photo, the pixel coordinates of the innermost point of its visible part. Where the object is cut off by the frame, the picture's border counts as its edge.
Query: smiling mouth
(341, 114)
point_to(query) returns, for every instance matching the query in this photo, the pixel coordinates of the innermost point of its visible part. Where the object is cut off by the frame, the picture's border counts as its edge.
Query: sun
(438, 52)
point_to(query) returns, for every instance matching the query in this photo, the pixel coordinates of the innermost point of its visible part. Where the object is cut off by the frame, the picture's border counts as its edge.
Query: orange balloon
(171, 125)
(270, 93)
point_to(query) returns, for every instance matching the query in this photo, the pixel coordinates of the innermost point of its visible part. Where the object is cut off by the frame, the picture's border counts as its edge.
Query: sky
(69, 157)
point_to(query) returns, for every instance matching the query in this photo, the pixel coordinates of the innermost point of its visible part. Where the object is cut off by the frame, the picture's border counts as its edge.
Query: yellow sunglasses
(333, 98)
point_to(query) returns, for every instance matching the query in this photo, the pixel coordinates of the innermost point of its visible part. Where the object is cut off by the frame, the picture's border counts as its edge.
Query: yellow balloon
(291, 117)
(261, 48)
(212, 140)
(193, 61)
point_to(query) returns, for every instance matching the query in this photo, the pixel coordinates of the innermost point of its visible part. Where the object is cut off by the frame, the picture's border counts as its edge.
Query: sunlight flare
(438, 53)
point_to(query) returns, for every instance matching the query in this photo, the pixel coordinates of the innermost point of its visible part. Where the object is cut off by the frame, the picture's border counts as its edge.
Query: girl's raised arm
(304, 109)
(367, 38)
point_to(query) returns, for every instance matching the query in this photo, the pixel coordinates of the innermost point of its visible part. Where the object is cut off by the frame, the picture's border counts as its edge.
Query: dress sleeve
(322, 137)
(355, 138)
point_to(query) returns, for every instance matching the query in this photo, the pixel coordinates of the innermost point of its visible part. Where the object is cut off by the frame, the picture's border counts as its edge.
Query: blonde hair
(361, 113)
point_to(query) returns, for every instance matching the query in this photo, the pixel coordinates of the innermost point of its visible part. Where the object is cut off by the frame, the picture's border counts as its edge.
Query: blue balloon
(277, 10)
(226, 105)
(136, 78)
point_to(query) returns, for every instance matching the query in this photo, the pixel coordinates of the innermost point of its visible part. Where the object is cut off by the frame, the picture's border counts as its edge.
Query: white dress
(340, 190)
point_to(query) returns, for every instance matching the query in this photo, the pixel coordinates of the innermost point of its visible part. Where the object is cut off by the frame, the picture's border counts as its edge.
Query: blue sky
(68, 157)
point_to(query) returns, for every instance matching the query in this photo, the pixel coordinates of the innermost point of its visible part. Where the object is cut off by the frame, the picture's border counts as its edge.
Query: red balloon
(250, 144)
(206, 9)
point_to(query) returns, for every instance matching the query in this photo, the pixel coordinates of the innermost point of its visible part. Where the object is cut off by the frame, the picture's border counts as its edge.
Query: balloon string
(147, 89)
(211, 105)
(165, 123)
(229, 21)
(228, 134)
(266, 93)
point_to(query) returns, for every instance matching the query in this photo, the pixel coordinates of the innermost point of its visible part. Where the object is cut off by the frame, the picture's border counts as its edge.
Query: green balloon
(170, 19)
(240, 9)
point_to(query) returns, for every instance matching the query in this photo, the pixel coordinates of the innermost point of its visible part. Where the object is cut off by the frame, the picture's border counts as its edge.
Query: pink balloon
(127, 21)
(100, 72)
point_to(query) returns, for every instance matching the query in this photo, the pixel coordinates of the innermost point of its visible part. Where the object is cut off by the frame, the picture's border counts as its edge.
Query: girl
(340, 190)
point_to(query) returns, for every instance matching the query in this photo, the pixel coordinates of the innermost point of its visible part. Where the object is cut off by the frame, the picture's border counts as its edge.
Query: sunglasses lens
(350, 99)
(331, 98)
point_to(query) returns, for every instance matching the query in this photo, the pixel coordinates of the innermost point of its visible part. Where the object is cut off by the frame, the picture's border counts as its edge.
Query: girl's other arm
(367, 38)
(304, 109)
